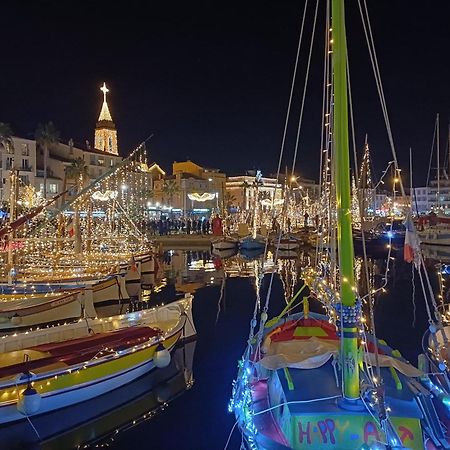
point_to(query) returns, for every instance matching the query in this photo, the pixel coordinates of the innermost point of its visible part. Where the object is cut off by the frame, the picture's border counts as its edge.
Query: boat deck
(56, 355)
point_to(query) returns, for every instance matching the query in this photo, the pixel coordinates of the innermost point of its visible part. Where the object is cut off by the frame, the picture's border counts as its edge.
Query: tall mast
(343, 200)
(438, 164)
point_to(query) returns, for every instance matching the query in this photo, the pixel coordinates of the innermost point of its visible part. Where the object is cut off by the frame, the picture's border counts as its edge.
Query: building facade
(26, 157)
(191, 189)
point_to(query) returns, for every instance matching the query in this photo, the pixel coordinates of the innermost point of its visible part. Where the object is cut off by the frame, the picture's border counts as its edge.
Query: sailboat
(254, 242)
(309, 380)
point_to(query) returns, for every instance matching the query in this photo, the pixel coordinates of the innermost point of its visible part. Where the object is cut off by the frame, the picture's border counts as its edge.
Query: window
(24, 179)
(110, 143)
(25, 150)
(9, 162)
(25, 164)
(53, 188)
(93, 160)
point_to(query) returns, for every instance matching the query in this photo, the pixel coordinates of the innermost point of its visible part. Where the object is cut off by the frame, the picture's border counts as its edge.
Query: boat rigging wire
(300, 119)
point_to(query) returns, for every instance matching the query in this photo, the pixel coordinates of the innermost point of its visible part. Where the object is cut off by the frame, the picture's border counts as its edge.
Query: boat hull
(250, 243)
(224, 244)
(95, 387)
(81, 381)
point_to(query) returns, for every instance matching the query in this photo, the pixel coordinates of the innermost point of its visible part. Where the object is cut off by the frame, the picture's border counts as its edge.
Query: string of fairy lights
(98, 226)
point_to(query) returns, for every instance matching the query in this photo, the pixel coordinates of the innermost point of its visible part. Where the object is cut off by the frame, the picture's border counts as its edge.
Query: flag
(411, 248)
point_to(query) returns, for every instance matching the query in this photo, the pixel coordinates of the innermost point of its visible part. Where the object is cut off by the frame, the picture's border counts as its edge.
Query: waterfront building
(191, 189)
(26, 156)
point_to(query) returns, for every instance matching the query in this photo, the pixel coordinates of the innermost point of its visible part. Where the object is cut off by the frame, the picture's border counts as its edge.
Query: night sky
(211, 79)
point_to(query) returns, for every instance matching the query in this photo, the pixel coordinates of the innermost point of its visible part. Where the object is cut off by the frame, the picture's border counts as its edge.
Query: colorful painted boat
(94, 422)
(290, 396)
(101, 355)
(310, 381)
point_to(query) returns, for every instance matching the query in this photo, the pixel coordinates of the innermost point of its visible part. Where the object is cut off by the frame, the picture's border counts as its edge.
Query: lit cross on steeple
(105, 90)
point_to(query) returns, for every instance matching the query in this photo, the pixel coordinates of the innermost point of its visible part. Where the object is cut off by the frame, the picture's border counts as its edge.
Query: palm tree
(170, 188)
(78, 171)
(46, 136)
(229, 200)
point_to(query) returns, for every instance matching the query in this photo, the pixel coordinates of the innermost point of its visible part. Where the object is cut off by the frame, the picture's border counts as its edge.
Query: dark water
(197, 418)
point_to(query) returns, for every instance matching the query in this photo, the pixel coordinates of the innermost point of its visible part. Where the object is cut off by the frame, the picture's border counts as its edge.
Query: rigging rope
(294, 160)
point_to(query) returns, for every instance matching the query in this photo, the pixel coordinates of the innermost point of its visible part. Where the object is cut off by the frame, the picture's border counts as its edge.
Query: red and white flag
(411, 251)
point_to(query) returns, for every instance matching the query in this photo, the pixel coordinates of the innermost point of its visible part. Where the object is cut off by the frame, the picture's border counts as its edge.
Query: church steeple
(105, 130)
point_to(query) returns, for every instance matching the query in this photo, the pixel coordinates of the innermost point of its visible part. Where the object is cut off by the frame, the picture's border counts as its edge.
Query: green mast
(343, 199)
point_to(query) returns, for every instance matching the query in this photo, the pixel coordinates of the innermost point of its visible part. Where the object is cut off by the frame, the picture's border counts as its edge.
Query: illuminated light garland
(201, 197)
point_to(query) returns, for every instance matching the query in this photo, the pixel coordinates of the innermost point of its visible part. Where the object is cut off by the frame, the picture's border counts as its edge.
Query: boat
(322, 381)
(387, 236)
(55, 367)
(17, 311)
(256, 242)
(434, 230)
(25, 305)
(95, 421)
(286, 242)
(224, 243)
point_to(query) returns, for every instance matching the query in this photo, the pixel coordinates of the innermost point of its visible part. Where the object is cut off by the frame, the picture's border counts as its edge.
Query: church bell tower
(105, 130)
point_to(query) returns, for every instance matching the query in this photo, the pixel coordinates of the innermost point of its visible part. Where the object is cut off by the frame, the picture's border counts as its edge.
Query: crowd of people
(184, 225)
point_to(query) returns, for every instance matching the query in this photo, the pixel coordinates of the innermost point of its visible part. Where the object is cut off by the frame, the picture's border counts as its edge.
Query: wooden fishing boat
(17, 311)
(60, 366)
(93, 422)
(224, 243)
(287, 242)
(251, 242)
(25, 305)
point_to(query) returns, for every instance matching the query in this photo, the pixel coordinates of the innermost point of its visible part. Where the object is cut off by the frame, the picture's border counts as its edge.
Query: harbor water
(185, 405)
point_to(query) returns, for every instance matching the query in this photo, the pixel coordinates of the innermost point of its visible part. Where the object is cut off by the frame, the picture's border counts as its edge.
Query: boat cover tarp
(75, 351)
(315, 352)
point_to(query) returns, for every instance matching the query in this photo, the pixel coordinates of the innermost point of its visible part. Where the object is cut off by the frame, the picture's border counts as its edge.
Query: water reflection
(226, 285)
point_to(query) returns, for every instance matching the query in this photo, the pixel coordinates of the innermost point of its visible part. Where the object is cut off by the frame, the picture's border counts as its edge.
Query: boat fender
(162, 356)
(29, 401)
(16, 319)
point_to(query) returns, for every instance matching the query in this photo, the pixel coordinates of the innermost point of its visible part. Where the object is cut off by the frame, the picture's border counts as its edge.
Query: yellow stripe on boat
(70, 378)
(310, 331)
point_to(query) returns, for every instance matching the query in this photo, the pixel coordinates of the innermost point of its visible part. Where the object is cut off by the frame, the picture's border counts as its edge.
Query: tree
(78, 171)
(170, 188)
(46, 136)
(229, 200)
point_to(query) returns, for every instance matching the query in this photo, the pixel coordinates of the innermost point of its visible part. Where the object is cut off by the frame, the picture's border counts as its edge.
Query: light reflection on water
(225, 287)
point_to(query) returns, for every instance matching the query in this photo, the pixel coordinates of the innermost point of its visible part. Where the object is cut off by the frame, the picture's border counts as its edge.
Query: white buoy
(161, 357)
(29, 402)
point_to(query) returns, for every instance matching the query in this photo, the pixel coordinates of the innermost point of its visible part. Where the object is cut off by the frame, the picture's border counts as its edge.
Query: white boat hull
(224, 244)
(119, 369)
(434, 237)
